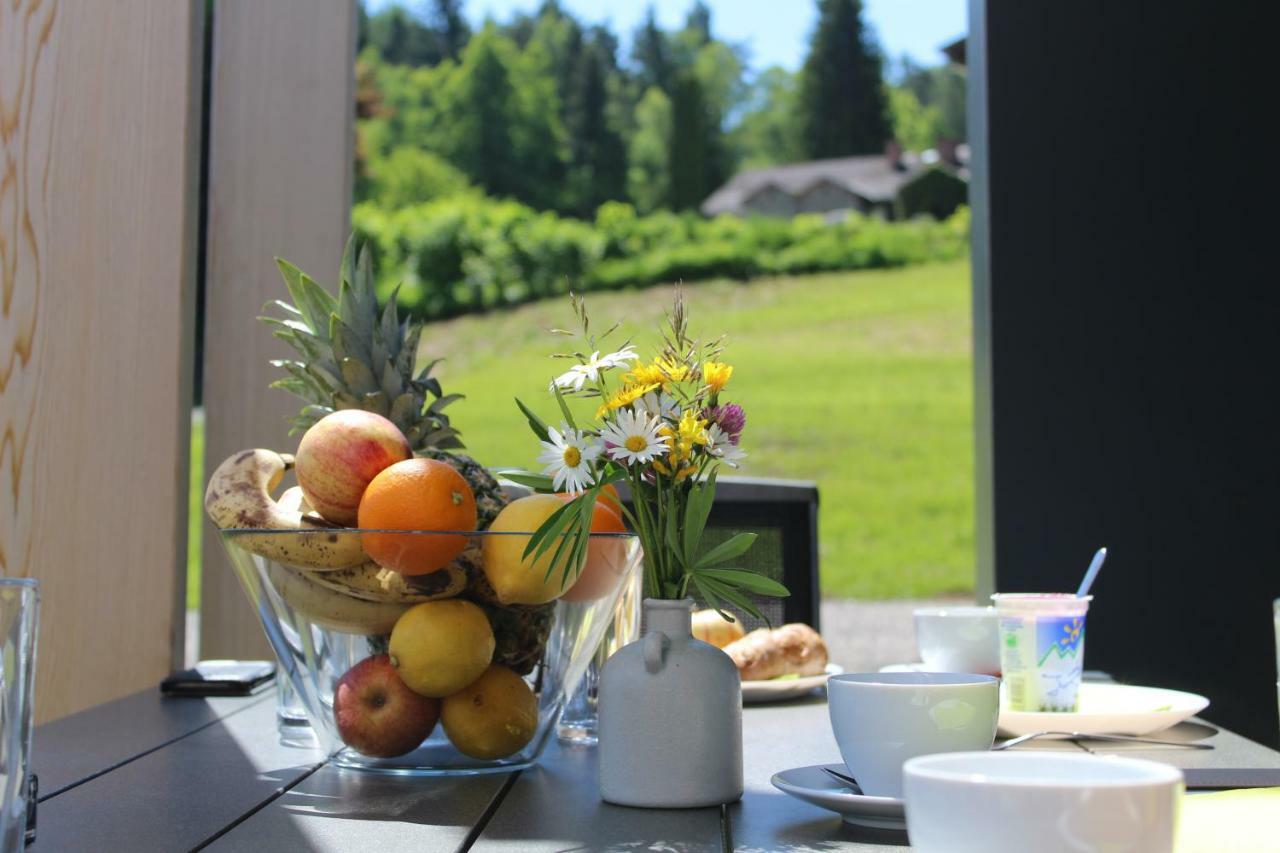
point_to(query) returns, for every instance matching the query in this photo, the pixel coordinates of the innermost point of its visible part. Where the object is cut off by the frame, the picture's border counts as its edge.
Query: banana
(239, 496)
(329, 609)
(372, 582)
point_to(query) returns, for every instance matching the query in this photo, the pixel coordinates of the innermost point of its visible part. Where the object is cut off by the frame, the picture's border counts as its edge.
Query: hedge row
(469, 253)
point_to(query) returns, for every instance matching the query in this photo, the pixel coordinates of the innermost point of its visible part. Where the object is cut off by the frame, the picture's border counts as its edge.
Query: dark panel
(179, 796)
(74, 748)
(1132, 297)
(784, 515)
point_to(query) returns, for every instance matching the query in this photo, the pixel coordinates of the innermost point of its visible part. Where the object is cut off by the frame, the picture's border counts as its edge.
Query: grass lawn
(860, 381)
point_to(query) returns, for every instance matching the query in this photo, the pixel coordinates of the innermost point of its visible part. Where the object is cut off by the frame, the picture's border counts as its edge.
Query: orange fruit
(417, 494)
(609, 495)
(606, 556)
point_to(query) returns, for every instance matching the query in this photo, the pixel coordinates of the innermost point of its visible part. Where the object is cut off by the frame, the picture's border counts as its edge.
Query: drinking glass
(579, 722)
(291, 714)
(19, 605)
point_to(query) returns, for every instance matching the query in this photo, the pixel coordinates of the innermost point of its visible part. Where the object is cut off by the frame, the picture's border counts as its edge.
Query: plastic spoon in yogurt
(1090, 576)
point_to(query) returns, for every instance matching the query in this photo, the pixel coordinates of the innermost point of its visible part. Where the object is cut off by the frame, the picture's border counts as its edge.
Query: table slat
(778, 737)
(69, 750)
(556, 806)
(180, 795)
(336, 809)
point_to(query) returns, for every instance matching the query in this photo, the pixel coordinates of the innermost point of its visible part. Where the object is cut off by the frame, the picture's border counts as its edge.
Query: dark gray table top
(146, 773)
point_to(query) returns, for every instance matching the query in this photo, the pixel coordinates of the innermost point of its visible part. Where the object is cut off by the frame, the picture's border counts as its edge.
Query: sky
(775, 31)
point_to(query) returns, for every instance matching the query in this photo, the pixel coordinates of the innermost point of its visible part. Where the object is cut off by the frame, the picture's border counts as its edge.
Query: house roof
(870, 176)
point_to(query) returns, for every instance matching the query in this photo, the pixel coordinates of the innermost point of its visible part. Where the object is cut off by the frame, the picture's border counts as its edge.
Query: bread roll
(710, 627)
(792, 649)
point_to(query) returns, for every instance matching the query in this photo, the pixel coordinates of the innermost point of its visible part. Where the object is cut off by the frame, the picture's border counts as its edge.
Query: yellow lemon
(514, 579)
(439, 647)
(493, 717)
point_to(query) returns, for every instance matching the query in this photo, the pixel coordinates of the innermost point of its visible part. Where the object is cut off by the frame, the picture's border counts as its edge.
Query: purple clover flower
(731, 418)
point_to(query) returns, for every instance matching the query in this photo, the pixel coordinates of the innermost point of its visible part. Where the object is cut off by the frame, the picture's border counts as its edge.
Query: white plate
(1111, 709)
(814, 786)
(775, 690)
(905, 667)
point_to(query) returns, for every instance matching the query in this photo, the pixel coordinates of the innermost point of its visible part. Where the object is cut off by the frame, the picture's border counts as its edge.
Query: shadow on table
(824, 833)
(353, 795)
(556, 806)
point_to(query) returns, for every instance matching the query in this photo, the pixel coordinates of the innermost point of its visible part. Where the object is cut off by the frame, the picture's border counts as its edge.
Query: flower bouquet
(664, 427)
(670, 706)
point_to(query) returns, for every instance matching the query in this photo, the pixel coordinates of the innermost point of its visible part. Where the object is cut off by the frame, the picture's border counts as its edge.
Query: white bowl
(997, 802)
(958, 639)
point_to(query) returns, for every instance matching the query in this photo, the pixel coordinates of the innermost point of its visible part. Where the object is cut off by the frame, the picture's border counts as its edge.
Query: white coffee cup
(1047, 802)
(882, 719)
(958, 639)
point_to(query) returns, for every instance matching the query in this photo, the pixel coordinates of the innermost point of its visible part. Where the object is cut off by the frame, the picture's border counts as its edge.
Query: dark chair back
(784, 514)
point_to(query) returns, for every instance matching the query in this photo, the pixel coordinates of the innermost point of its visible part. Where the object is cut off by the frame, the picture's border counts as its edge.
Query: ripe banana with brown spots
(332, 610)
(372, 582)
(239, 497)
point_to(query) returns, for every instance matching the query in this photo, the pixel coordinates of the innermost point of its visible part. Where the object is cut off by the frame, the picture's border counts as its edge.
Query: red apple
(340, 455)
(377, 714)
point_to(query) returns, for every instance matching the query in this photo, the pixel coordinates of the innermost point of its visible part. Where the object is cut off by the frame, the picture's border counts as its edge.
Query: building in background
(891, 185)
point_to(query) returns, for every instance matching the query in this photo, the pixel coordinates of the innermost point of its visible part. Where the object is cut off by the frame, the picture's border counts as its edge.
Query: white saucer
(776, 690)
(1113, 709)
(818, 788)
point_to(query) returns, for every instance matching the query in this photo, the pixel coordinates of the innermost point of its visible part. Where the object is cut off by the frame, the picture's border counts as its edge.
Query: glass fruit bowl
(496, 676)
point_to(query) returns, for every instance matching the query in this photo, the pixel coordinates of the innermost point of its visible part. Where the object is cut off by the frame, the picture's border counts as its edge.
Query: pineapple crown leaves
(351, 355)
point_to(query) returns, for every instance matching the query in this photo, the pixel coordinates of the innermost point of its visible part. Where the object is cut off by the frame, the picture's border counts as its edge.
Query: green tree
(481, 105)
(698, 23)
(450, 28)
(541, 151)
(401, 39)
(649, 153)
(597, 156)
(841, 106)
(695, 156)
(651, 54)
(941, 88)
(914, 125)
(768, 133)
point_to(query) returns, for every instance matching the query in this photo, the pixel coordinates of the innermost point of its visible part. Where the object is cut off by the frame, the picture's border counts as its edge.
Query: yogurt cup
(1041, 649)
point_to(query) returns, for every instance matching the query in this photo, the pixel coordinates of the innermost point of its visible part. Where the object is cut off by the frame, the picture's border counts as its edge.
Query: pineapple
(351, 355)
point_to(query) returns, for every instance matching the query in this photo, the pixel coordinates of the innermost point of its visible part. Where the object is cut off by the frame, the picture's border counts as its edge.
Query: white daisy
(568, 457)
(633, 437)
(575, 377)
(720, 446)
(571, 380)
(660, 404)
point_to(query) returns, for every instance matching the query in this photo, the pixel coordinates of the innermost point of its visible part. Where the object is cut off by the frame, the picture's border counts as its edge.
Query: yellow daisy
(691, 432)
(716, 375)
(662, 370)
(646, 374)
(624, 396)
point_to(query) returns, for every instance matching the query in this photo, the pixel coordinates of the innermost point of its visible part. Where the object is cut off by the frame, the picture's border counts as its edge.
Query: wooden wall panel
(98, 148)
(281, 130)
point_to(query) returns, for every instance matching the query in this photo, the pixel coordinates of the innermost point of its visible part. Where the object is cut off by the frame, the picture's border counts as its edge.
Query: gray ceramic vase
(670, 717)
